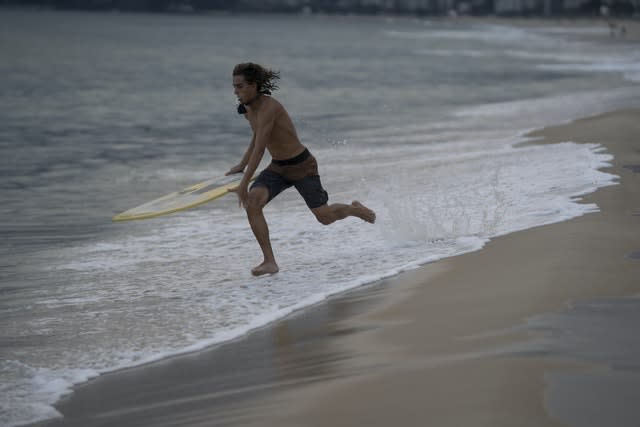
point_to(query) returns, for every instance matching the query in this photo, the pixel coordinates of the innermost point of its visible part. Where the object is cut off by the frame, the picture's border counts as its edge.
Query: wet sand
(475, 340)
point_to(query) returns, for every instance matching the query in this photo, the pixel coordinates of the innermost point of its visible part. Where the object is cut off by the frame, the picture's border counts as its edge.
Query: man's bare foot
(364, 212)
(265, 268)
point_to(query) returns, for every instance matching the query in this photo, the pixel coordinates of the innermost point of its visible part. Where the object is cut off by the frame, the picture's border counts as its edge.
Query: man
(291, 165)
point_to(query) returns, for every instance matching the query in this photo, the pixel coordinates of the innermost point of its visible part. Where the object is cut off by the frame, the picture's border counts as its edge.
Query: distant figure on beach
(621, 30)
(291, 162)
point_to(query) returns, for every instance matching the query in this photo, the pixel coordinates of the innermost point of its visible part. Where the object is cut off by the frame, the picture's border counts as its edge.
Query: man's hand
(235, 169)
(242, 192)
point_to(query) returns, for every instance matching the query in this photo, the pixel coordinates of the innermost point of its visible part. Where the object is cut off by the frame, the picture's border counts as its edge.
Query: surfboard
(187, 198)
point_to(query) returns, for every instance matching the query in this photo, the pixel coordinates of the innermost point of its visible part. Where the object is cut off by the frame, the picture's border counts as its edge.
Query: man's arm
(245, 158)
(264, 127)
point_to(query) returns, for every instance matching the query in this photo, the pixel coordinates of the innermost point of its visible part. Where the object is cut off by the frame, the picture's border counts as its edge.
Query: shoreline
(335, 359)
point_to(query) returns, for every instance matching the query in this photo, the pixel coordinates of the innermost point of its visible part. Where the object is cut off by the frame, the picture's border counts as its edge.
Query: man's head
(251, 80)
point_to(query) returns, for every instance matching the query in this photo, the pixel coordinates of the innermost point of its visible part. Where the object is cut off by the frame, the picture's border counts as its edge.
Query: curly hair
(256, 73)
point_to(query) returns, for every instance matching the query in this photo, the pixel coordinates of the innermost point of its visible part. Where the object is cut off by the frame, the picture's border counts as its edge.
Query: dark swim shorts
(301, 172)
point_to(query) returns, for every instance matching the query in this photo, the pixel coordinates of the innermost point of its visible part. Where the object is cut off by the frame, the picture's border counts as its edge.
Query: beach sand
(448, 344)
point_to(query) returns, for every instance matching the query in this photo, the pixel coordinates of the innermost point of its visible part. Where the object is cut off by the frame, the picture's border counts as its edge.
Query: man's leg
(310, 188)
(258, 197)
(327, 214)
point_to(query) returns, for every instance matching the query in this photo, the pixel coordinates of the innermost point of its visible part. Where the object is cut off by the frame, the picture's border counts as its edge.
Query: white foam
(574, 31)
(541, 112)
(542, 45)
(30, 391)
(629, 69)
(471, 53)
(494, 34)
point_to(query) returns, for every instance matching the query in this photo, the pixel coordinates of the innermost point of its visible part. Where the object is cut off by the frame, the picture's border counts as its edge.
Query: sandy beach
(475, 340)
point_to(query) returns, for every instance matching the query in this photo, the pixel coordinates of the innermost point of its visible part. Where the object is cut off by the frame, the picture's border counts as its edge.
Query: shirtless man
(291, 163)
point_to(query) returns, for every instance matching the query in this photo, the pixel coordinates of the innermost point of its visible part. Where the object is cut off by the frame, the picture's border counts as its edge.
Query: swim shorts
(301, 172)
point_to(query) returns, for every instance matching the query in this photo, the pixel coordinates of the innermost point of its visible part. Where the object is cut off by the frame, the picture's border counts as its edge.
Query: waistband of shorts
(294, 160)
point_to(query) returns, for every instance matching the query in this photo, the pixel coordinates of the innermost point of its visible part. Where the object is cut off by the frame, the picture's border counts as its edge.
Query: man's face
(243, 90)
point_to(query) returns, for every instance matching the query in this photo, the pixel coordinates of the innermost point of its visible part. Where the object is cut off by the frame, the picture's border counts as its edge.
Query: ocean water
(420, 120)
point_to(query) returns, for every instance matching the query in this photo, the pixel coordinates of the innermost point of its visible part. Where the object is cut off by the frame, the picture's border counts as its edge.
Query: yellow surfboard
(190, 197)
